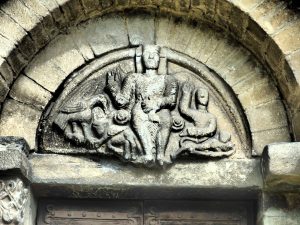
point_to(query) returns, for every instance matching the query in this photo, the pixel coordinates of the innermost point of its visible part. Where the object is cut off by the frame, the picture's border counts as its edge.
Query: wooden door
(122, 212)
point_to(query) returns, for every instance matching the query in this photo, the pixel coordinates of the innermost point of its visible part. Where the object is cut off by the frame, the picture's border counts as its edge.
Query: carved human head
(151, 56)
(202, 97)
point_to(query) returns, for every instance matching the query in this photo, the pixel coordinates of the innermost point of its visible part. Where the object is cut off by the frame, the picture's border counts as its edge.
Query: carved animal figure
(76, 120)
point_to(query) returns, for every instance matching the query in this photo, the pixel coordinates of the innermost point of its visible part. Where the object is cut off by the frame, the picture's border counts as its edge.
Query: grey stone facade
(173, 100)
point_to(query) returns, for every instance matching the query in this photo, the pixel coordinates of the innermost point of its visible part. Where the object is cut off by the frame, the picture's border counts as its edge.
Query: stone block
(244, 174)
(231, 17)
(13, 155)
(280, 166)
(27, 47)
(257, 93)
(3, 89)
(255, 38)
(296, 125)
(141, 29)
(78, 37)
(106, 34)
(18, 119)
(270, 115)
(206, 6)
(90, 6)
(262, 138)
(6, 72)
(274, 56)
(55, 61)
(72, 10)
(6, 46)
(27, 91)
(10, 29)
(276, 209)
(41, 68)
(55, 11)
(294, 62)
(21, 14)
(247, 5)
(62, 51)
(16, 60)
(279, 19)
(289, 33)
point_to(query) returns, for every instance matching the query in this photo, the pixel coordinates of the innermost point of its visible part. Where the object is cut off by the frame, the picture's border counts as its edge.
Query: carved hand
(150, 104)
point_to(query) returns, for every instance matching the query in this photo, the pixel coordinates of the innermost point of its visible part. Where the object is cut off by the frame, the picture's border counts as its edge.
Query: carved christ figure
(150, 98)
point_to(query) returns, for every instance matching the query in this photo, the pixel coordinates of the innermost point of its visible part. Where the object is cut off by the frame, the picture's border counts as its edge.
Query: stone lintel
(13, 156)
(76, 176)
(281, 167)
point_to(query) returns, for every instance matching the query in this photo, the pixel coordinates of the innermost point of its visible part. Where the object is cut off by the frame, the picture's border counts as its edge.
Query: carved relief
(133, 114)
(13, 196)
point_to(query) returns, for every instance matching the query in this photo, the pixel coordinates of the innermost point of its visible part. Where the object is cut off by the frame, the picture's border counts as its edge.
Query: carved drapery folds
(137, 109)
(13, 196)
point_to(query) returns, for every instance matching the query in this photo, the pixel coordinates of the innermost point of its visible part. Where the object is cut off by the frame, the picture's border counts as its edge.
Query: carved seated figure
(202, 135)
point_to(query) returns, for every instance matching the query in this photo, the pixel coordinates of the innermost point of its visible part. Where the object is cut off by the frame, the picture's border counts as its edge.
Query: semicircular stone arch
(259, 99)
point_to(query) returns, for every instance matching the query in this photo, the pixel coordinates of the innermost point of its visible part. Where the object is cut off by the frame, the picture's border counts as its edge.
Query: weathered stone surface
(3, 89)
(101, 173)
(289, 34)
(258, 93)
(262, 138)
(279, 209)
(54, 62)
(18, 119)
(103, 37)
(138, 35)
(10, 29)
(27, 91)
(6, 71)
(271, 115)
(13, 151)
(294, 62)
(296, 125)
(281, 166)
(6, 46)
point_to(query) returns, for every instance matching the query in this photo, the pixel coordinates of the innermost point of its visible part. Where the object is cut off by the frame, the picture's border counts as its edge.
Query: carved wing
(78, 99)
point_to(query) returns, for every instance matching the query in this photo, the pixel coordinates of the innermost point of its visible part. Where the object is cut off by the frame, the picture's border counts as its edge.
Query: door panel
(196, 213)
(88, 212)
(78, 212)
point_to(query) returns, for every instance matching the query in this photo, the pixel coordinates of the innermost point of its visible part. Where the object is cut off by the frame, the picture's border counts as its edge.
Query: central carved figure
(135, 113)
(149, 97)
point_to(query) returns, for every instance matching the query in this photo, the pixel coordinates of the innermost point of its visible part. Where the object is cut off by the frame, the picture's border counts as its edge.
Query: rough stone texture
(52, 65)
(289, 34)
(281, 166)
(271, 116)
(6, 71)
(262, 138)
(224, 174)
(103, 37)
(21, 120)
(279, 209)
(27, 91)
(13, 153)
(3, 89)
(138, 35)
